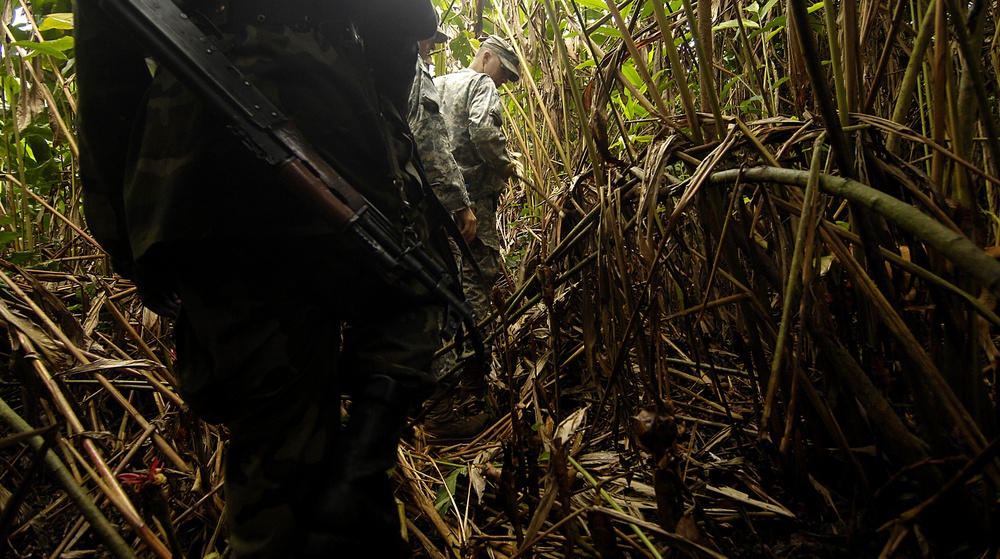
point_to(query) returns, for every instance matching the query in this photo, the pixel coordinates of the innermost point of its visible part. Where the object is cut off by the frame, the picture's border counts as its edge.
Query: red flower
(142, 481)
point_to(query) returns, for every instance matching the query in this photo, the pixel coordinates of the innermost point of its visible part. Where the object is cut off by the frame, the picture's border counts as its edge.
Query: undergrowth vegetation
(748, 311)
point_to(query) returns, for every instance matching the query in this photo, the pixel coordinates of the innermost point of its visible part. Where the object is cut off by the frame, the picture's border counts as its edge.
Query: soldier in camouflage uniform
(472, 110)
(276, 315)
(430, 133)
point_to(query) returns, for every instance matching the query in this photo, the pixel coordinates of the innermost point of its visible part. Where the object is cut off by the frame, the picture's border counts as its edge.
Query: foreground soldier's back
(184, 209)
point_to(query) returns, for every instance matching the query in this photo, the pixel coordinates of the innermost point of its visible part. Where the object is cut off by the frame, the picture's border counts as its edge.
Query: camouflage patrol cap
(506, 54)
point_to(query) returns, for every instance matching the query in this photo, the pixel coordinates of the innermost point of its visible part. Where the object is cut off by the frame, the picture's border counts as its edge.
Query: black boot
(356, 513)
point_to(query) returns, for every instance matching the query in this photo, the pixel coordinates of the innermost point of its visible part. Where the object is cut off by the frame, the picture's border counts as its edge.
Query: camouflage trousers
(270, 355)
(479, 290)
(478, 294)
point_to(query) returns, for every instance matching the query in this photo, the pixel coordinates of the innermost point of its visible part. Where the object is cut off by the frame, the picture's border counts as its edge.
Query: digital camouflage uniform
(279, 315)
(430, 133)
(474, 115)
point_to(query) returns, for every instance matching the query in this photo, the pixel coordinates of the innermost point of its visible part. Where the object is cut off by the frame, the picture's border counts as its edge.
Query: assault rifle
(176, 43)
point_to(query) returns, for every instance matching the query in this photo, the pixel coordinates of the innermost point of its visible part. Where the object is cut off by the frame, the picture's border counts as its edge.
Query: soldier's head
(497, 59)
(427, 45)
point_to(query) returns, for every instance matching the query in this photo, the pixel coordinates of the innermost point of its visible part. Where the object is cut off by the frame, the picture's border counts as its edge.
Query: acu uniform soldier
(472, 110)
(444, 422)
(276, 314)
(430, 133)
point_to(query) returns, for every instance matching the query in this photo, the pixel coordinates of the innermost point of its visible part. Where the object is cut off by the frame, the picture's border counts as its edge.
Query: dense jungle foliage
(748, 309)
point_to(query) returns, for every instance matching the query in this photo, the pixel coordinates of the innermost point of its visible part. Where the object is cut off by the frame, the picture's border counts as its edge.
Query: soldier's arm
(430, 131)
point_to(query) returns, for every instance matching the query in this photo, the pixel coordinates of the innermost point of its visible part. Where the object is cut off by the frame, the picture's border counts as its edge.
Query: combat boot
(356, 512)
(446, 424)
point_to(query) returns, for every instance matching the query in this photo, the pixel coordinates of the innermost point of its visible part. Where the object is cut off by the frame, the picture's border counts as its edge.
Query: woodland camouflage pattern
(180, 203)
(260, 353)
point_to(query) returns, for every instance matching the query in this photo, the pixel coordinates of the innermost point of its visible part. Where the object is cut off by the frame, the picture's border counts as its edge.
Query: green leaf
(57, 21)
(767, 7)
(462, 49)
(56, 48)
(629, 71)
(733, 24)
(7, 237)
(443, 500)
(21, 258)
(595, 4)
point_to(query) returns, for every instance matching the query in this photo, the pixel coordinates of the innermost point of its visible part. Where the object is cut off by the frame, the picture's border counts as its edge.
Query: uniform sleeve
(112, 79)
(430, 133)
(485, 125)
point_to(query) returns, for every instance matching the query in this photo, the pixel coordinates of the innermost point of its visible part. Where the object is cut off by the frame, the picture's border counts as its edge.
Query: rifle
(175, 42)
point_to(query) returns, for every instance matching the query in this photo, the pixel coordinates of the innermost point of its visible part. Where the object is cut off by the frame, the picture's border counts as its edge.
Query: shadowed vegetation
(749, 309)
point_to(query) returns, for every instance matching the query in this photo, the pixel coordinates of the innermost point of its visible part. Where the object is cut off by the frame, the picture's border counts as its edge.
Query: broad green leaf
(57, 21)
(633, 76)
(462, 49)
(56, 48)
(7, 237)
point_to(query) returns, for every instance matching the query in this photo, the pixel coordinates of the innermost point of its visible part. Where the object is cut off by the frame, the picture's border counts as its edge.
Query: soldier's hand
(467, 223)
(508, 171)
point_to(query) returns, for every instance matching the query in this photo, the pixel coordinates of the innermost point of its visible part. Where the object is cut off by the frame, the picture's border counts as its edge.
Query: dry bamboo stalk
(75, 227)
(112, 489)
(444, 530)
(115, 492)
(80, 356)
(958, 248)
(639, 61)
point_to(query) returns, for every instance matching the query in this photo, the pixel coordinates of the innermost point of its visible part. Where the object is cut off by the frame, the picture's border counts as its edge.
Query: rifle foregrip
(310, 188)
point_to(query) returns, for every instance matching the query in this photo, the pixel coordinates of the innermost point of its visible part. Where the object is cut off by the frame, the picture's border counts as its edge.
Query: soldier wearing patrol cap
(471, 107)
(502, 50)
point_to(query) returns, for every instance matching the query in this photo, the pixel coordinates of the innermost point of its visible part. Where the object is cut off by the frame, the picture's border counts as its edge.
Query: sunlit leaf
(56, 21)
(733, 24)
(56, 48)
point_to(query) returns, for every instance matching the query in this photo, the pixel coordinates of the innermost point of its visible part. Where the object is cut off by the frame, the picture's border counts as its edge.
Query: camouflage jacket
(159, 167)
(472, 110)
(430, 133)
